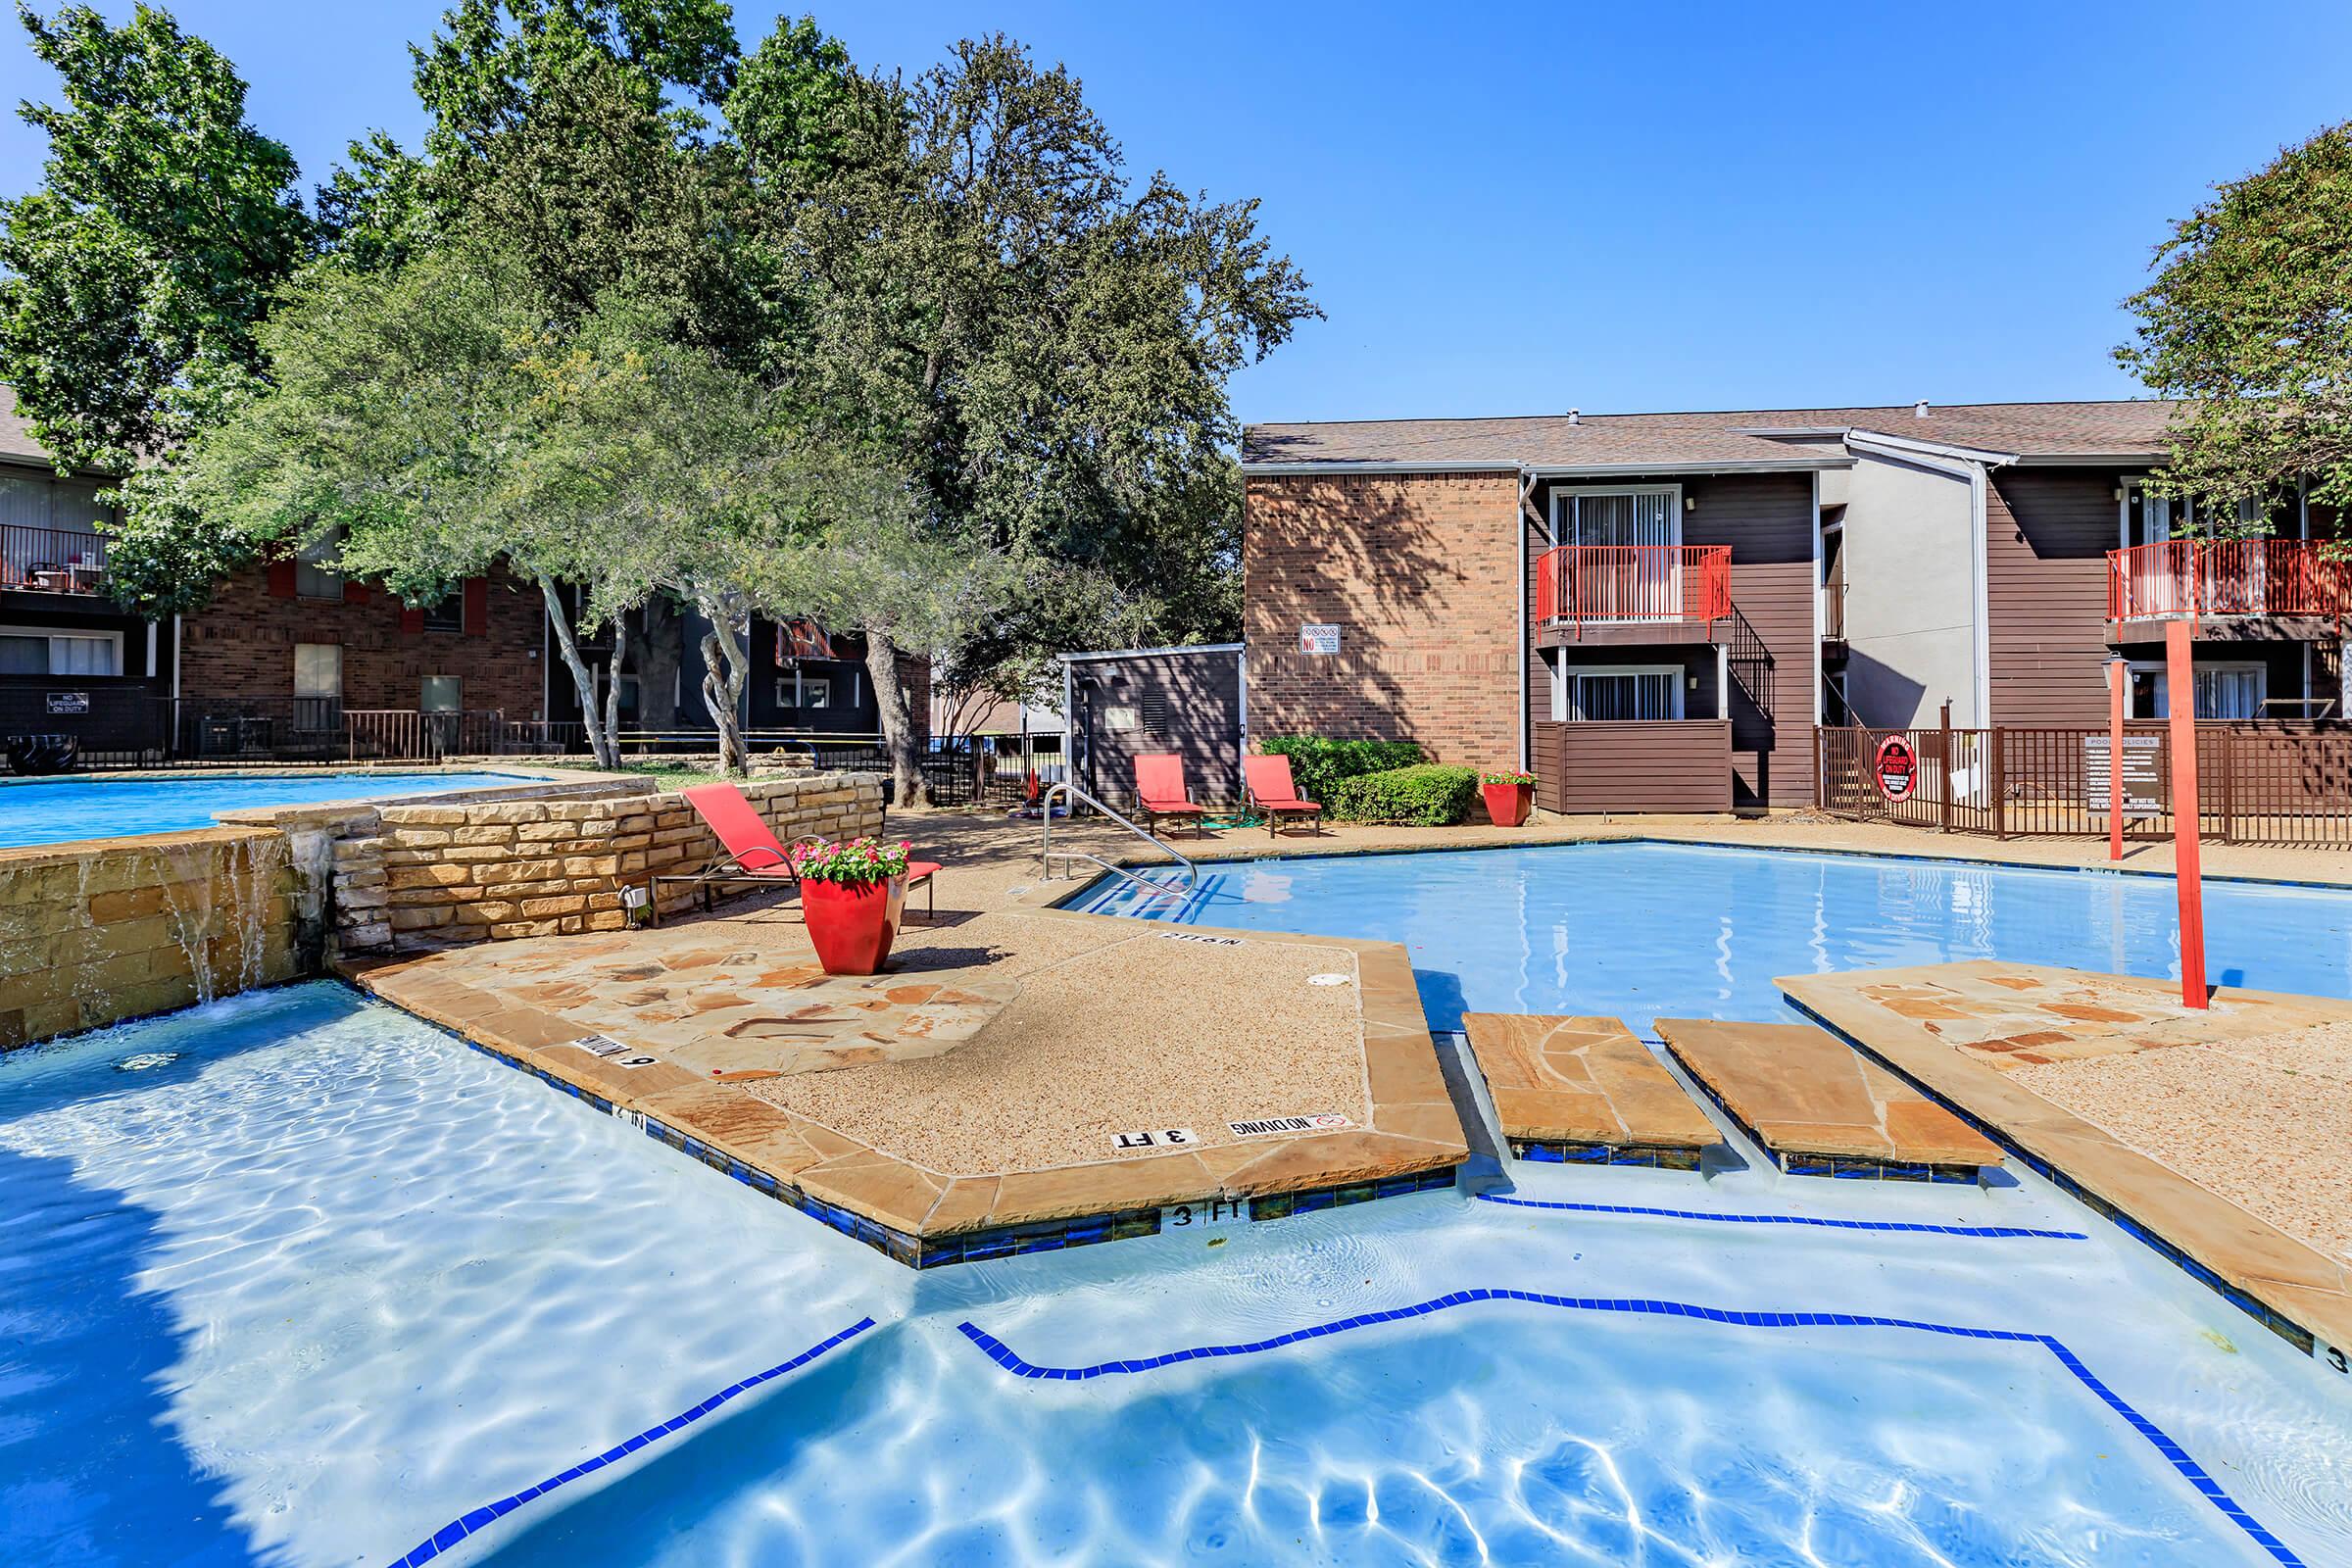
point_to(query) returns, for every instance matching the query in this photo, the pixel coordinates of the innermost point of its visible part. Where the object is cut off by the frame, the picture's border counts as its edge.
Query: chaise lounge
(1271, 789)
(752, 855)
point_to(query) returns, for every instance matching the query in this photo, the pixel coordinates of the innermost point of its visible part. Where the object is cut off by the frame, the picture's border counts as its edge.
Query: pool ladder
(1047, 854)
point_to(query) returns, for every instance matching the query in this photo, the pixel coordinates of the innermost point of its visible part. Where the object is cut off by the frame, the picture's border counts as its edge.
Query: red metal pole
(2181, 688)
(2118, 677)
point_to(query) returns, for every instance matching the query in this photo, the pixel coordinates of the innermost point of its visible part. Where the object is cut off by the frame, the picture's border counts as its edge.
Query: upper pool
(60, 810)
(1646, 931)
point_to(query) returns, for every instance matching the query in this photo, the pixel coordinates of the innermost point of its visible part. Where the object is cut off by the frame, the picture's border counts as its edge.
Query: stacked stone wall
(101, 931)
(415, 876)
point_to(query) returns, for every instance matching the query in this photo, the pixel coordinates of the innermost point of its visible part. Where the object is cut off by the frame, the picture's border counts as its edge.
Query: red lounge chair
(1159, 786)
(1269, 781)
(753, 855)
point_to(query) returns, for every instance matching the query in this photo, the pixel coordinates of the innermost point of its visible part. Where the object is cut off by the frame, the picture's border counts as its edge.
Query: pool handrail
(1045, 852)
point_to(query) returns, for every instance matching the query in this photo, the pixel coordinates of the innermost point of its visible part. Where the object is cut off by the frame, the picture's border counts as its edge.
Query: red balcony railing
(2225, 578)
(1634, 583)
(51, 560)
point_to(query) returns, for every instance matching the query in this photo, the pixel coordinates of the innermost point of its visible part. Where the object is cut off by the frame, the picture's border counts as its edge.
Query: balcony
(53, 561)
(2225, 578)
(1632, 585)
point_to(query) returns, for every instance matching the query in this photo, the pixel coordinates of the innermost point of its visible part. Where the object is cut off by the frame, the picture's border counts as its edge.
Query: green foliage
(1429, 794)
(1508, 775)
(494, 62)
(163, 224)
(789, 106)
(2248, 316)
(1317, 765)
(1041, 346)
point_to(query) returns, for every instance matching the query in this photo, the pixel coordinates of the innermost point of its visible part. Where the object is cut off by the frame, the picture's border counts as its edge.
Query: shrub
(1429, 794)
(1318, 764)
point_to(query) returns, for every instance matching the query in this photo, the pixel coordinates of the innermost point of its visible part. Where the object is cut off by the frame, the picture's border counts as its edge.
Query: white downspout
(1978, 481)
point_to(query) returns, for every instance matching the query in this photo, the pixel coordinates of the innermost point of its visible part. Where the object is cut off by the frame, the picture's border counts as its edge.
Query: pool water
(1646, 931)
(61, 810)
(294, 1279)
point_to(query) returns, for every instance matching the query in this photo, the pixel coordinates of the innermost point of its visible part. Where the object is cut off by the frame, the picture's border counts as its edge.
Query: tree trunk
(620, 649)
(583, 680)
(897, 721)
(663, 649)
(725, 671)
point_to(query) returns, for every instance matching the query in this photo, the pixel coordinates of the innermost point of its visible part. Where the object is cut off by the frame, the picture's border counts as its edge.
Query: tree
(163, 224)
(1041, 345)
(403, 418)
(2251, 316)
(732, 505)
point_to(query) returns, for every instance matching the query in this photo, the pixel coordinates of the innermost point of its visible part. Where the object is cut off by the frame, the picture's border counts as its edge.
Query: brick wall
(242, 645)
(411, 875)
(1420, 573)
(91, 934)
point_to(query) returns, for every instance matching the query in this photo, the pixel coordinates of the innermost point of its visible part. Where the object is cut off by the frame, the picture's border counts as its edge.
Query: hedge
(1317, 765)
(1430, 795)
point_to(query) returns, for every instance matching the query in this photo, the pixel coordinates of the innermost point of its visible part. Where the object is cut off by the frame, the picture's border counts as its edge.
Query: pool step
(1819, 1107)
(1584, 1091)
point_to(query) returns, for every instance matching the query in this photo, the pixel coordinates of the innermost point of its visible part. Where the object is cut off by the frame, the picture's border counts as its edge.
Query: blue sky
(1515, 209)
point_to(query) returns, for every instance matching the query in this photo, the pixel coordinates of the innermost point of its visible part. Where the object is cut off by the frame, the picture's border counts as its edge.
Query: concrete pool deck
(2221, 1134)
(1018, 1071)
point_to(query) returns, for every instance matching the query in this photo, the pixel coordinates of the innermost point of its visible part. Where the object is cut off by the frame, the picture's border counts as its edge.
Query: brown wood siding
(1767, 519)
(1186, 703)
(2048, 532)
(1677, 766)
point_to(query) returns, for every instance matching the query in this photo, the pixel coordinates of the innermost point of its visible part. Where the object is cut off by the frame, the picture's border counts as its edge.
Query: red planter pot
(853, 923)
(1508, 804)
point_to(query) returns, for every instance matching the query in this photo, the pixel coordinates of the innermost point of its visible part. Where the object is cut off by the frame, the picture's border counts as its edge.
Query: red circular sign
(1895, 767)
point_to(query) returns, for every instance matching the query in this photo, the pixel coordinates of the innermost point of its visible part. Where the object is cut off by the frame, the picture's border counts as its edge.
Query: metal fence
(2280, 782)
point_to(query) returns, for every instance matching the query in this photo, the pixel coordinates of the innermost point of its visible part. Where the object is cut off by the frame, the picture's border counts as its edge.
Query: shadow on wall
(1402, 601)
(96, 1475)
(1881, 695)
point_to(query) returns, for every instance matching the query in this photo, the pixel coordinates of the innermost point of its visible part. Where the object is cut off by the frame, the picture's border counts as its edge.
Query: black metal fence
(2276, 782)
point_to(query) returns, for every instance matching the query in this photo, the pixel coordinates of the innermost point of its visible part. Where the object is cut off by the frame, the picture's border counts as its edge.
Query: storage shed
(1124, 704)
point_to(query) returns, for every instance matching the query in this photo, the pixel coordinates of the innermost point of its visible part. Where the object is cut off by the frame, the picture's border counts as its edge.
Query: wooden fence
(2279, 782)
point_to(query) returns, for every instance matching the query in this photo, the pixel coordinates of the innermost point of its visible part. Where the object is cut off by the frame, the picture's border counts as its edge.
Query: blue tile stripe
(457, 1530)
(1989, 1231)
(2174, 1454)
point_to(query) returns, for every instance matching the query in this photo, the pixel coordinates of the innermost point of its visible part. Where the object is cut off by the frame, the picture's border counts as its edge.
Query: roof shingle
(2128, 430)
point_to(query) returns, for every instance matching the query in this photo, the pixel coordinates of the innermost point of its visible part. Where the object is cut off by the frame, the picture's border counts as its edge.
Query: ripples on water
(325, 1280)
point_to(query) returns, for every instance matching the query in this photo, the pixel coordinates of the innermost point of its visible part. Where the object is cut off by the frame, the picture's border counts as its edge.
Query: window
(318, 670)
(312, 578)
(447, 615)
(2224, 691)
(33, 651)
(797, 690)
(1618, 693)
(441, 693)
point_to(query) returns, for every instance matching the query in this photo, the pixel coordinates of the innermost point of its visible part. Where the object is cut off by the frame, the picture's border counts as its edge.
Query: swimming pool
(60, 810)
(1645, 930)
(294, 1279)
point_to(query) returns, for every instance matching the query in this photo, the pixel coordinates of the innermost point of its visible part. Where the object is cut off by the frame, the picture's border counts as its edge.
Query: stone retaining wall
(413, 875)
(96, 932)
